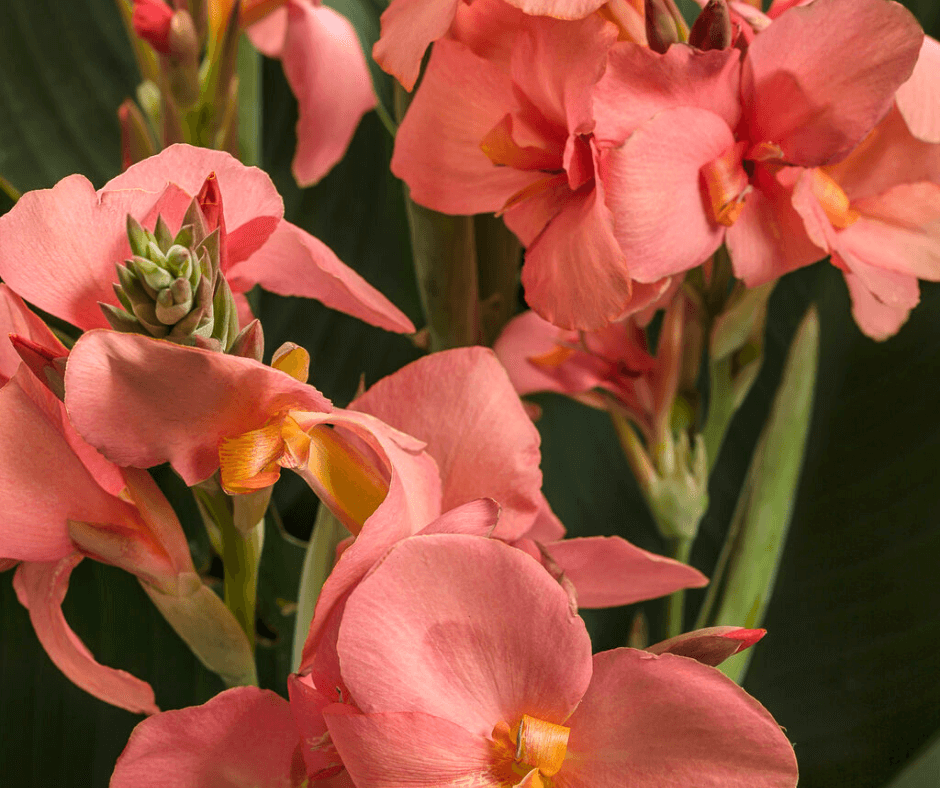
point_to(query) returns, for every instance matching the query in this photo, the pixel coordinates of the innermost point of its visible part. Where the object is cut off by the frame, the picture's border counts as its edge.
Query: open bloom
(461, 662)
(59, 246)
(503, 122)
(326, 70)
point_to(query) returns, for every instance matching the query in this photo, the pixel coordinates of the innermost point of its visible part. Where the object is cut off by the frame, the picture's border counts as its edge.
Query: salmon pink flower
(326, 70)
(466, 665)
(503, 123)
(73, 236)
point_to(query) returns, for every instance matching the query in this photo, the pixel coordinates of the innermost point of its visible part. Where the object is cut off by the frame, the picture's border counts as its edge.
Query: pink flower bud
(152, 20)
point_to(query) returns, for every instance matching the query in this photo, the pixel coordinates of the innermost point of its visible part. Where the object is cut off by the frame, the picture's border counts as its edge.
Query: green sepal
(163, 236)
(121, 321)
(137, 236)
(150, 275)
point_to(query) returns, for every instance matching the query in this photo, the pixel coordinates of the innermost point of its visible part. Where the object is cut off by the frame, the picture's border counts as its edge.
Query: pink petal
(639, 83)
(547, 527)
(559, 9)
(17, 318)
(44, 483)
(476, 518)
(307, 703)
(293, 262)
(769, 239)
(486, 447)
(41, 589)
(500, 643)
(408, 28)
(671, 722)
(654, 192)
(134, 399)
(528, 217)
(243, 737)
(251, 205)
(437, 148)
(609, 571)
(817, 80)
(269, 34)
(575, 273)
(710, 646)
(58, 247)
(327, 72)
(556, 64)
(413, 749)
(918, 99)
(875, 318)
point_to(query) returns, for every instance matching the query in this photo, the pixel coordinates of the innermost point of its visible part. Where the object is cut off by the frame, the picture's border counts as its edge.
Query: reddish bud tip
(712, 29)
(210, 201)
(747, 637)
(45, 365)
(152, 20)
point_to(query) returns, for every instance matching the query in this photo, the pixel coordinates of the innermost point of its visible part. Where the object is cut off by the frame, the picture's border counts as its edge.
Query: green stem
(248, 65)
(721, 409)
(240, 555)
(681, 550)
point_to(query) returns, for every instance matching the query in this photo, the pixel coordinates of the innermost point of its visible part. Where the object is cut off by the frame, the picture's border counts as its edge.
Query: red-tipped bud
(136, 144)
(661, 30)
(210, 201)
(710, 646)
(712, 29)
(45, 365)
(152, 20)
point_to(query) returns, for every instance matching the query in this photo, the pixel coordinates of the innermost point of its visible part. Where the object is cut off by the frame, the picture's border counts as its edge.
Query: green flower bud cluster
(173, 287)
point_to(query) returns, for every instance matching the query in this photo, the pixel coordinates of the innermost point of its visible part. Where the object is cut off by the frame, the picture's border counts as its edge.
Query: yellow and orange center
(833, 199)
(532, 746)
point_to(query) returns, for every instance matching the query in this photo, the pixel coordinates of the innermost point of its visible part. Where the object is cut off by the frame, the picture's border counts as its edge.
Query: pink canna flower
(73, 237)
(813, 84)
(503, 123)
(466, 665)
(461, 661)
(327, 72)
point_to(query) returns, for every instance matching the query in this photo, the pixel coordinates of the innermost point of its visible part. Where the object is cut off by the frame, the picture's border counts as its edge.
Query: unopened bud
(183, 61)
(45, 365)
(151, 21)
(712, 29)
(136, 143)
(250, 342)
(661, 31)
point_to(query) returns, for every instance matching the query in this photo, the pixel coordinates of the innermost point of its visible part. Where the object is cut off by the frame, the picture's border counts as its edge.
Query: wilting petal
(487, 445)
(575, 274)
(408, 28)
(327, 72)
(655, 195)
(17, 318)
(41, 588)
(44, 483)
(134, 399)
(918, 99)
(437, 148)
(293, 262)
(710, 646)
(639, 83)
(609, 571)
(58, 246)
(769, 238)
(243, 737)
(420, 750)
(502, 642)
(251, 205)
(688, 724)
(816, 81)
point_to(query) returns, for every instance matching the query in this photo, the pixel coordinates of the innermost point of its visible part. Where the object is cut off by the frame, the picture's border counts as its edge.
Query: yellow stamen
(834, 200)
(726, 184)
(555, 357)
(542, 745)
(292, 359)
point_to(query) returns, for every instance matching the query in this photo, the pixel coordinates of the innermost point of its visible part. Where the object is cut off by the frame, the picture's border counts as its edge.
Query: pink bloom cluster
(786, 136)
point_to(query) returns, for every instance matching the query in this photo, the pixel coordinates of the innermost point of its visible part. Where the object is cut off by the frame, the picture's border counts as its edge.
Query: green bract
(173, 286)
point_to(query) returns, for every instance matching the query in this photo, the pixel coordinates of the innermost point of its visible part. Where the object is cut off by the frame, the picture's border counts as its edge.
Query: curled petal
(41, 589)
(17, 318)
(710, 646)
(408, 28)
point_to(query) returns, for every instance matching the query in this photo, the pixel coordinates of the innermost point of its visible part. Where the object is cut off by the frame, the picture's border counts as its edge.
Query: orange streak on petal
(555, 357)
(834, 201)
(504, 151)
(531, 190)
(249, 461)
(542, 745)
(726, 184)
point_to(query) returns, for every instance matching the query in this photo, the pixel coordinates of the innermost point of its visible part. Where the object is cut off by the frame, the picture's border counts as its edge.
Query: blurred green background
(851, 664)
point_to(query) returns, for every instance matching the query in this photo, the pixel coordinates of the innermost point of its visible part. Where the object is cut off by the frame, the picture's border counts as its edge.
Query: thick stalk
(499, 257)
(681, 550)
(248, 65)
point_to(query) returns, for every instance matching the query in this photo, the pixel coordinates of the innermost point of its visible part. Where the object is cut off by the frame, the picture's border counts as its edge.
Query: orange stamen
(834, 200)
(542, 745)
(553, 358)
(504, 151)
(726, 184)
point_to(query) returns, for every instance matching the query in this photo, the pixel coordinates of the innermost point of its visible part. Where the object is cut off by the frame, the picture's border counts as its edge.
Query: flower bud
(136, 143)
(661, 30)
(151, 21)
(712, 29)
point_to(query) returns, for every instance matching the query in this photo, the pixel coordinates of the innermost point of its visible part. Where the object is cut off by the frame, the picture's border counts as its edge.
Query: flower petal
(243, 737)
(144, 401)
(671, 722)
(293, 262)
(41, 587)
(918, 99)
(486, 447)
(268, 34)
(499, 642)
(609, 571)
(327, 72)
(408, 28)
(817, 80)
(17, 318)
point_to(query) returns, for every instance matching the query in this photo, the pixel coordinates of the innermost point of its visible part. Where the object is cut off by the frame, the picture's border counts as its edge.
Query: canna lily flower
(452, 684)
(63, 502)
(440, 681)
(325, 68)
(503, 123)
(814, 82)
(73, 237)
